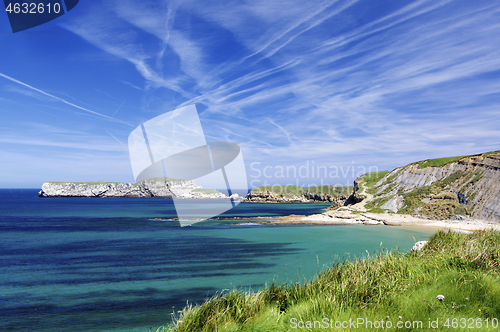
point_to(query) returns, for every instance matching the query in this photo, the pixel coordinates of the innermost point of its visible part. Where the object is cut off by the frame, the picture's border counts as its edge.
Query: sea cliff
(335, 195)
(159, 187)
(457, 187)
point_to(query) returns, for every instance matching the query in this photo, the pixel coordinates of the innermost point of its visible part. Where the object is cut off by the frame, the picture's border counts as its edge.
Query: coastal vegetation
(366, 181)
(452, 283)
(86, 183)
(297, 191)
(438, 162)
(443, 188)
(206, 191)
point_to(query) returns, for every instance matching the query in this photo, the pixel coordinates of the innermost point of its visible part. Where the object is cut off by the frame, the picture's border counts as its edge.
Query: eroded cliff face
(306, 197)
(160, 187)
(469, 186)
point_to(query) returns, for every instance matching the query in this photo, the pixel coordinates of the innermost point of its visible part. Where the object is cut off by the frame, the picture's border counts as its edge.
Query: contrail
(118, 108)
(60, 99)
(116, 138)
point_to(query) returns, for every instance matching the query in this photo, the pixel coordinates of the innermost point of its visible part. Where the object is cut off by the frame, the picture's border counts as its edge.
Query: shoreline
(346, 217)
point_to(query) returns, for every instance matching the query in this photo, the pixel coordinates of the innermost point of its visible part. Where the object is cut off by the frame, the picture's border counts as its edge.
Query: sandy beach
(349, 217)
(357, 214)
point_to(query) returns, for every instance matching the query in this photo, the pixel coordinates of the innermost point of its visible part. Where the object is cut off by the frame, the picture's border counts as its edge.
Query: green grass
(120, 183)
(89, 183)
(444, 161)
(376, 203)
(388, 189)
(392, 286)
(162, 179)
(443, 183)
(476, 179)
(206, 191)
(368, 180)
(439, 162)
(291, 190)
(393, 176)
(489, 153)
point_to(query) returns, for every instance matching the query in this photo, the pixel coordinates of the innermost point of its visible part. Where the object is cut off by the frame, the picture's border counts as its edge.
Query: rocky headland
(461, 193)
(269, 196)
(170, 188)
(335, 195)
(465, 187)
(159, 187)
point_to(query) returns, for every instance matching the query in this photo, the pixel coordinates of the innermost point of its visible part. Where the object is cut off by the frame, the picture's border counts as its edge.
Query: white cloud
(400, 84)
(54, 97)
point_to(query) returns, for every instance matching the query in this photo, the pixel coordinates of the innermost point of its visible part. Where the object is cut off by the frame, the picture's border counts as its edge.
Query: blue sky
(346, 85)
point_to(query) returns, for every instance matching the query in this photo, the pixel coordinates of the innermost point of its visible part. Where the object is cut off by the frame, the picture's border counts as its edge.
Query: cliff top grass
(391, 286)
(291, 190)
(115, 183)
(438, 162)
(492, 152)
(86, 183)
(206, 191)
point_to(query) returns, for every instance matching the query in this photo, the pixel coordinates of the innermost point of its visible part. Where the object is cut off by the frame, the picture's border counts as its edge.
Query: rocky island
(159, 187)
(169, 188)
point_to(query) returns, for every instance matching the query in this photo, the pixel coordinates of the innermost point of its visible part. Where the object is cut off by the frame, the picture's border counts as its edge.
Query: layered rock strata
(469, 185)
(160, 187)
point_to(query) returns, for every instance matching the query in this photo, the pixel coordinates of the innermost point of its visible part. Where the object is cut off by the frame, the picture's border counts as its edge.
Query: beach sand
(348, 217)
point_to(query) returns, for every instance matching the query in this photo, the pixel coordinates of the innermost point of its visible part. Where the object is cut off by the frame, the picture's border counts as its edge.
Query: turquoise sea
(102, 264)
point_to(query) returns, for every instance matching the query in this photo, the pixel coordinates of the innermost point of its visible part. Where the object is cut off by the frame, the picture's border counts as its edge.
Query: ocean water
(102, 264)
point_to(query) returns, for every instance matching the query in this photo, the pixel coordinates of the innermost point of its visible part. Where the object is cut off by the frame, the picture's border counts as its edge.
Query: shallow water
(101, 264)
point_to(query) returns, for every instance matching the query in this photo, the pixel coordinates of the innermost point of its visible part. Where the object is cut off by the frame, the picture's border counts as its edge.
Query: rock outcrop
(159, 187)
(307, 197)
(441, 188)
(418, 246)
(393, 204)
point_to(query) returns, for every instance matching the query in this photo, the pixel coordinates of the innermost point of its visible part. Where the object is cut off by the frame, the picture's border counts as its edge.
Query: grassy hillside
(367, 181)
(431, 188)
(393, 287)
(444, 161)
(291, 190)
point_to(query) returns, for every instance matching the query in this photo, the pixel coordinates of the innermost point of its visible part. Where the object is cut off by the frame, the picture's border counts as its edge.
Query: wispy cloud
(110, 35)
(132, 85)
(57, 98)
(305, 24)
(314, 79)
(38, 134)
